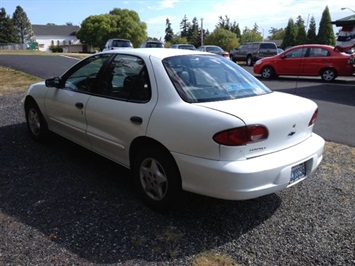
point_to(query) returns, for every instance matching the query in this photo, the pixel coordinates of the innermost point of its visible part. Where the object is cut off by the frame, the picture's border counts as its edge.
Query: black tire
(328, 74)
(158, 178)
(249, 61)
(268, 72)
(36, 124)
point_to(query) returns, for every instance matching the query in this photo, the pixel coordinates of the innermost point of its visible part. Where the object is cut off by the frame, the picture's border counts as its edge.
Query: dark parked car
(113, 44)
(152, 44)
(253, 51)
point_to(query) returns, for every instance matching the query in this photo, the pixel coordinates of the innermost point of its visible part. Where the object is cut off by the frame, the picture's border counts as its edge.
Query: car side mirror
(53, 82)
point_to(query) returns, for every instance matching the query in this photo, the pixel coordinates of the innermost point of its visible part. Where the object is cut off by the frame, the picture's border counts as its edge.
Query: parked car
(213, 49)
(252, 51)
(152, 44)
(306, 60)
(180, 120)
(183, 46)
(113, 44)
(279, 50)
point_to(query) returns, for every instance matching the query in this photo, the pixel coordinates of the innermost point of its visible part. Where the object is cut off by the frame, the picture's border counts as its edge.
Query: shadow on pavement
(88, 205)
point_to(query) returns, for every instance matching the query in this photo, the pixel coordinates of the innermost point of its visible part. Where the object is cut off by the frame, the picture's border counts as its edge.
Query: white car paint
(186, 129)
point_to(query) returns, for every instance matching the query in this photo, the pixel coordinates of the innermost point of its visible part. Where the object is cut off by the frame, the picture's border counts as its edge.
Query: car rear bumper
(252, 178)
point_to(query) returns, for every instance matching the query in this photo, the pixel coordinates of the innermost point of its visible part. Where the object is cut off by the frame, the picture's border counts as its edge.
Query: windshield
(207, 78)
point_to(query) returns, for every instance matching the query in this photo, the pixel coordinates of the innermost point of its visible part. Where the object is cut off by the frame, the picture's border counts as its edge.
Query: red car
(307, 60)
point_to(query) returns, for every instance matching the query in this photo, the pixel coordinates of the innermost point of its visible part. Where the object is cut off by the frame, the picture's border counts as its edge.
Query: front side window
(83, 77)
(297, 53)
(208, 78)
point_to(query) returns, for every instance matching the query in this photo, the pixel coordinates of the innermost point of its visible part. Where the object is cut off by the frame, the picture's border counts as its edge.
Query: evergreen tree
(312, 31)
(301, 37)
(7, 30)
(169, 34)
(326, 32)
(193, 36)
(22, 25)
(184, 27)
(290, 35)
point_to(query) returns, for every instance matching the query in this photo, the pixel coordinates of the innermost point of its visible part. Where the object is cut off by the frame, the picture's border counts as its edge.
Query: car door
(292, 62)
(121, 113)
(316, 59)
(66, 106)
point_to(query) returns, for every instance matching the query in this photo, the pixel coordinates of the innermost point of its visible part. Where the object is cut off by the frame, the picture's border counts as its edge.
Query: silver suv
(113, 44)
(252, 51)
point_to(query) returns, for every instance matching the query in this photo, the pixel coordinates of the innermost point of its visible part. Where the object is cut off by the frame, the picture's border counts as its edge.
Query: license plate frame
(297, 172)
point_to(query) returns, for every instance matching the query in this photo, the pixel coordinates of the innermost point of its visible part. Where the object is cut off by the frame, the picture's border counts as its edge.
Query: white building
(63, 36)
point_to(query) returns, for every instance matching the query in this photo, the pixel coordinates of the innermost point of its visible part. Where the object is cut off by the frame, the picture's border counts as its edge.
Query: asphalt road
(336, 100)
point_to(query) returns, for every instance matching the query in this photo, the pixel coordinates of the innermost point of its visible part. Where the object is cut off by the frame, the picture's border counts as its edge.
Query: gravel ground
(63, 205)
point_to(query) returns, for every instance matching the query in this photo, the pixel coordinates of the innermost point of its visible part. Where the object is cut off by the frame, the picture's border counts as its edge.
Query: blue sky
(266, 14)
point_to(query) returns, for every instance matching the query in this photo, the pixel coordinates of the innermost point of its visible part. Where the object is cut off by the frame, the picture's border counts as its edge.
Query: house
(62, 36)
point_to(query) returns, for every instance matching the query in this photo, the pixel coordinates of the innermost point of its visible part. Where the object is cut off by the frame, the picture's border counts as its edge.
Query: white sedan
(180, 120)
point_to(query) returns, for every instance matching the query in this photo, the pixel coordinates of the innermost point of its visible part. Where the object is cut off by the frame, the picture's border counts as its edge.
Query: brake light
(314, 118)
(241, 135)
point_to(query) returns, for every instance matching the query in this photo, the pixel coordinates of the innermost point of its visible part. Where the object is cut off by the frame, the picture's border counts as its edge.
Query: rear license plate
(298, 172)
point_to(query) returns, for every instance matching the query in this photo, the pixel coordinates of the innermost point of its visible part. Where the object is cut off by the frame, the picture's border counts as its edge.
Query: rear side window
(267, 46)
(318, 52)
(208, 78)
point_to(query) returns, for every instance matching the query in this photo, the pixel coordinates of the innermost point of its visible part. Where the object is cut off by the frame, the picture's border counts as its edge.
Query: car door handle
(79, 105)
(136, 120)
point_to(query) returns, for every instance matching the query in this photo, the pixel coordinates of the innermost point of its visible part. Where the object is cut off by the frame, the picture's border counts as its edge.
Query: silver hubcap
(266, 73)
(34, 121)
(153, 179)
(328, 75)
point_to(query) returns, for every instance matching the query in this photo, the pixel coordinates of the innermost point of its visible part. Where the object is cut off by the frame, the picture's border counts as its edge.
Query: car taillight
(314, 118)
(241, 135)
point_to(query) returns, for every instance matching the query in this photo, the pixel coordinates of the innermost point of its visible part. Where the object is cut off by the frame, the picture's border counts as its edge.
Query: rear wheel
(36, 123)
(328, 74)
(158, 178)
(249, 61)
(268, 72)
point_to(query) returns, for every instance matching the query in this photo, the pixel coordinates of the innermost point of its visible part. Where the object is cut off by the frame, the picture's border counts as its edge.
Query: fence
(13, 46)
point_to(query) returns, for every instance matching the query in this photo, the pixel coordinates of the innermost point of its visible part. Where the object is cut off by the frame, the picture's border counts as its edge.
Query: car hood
(286, 117)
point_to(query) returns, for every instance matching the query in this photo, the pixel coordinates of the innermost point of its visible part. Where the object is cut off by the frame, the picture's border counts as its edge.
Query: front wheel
(268, 72)
(158, 178)
(328, 74)
(36, 123)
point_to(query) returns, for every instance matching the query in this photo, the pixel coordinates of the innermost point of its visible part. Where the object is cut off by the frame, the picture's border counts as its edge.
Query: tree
(22, 25)
(290, 35)
(193, 36)
(184, 27)
(223, 38)
(7, 30)
(249, 35)
(326, 32)
(169, 34)
(312, 31)
(224, 23)
(119, 23)
(277, 34)
(301, 37)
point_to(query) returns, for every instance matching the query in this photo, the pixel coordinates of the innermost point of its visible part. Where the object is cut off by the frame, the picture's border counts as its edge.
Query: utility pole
(201, 31)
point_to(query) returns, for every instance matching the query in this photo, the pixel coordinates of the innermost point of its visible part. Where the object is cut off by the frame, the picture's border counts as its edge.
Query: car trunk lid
(285, 116)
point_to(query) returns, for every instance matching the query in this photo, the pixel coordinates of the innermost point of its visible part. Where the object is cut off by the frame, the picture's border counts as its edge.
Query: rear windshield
(121, 43)
(208, 78)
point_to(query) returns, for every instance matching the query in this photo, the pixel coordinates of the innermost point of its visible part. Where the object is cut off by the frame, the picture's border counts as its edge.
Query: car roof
(160, 53)
(312, 45)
